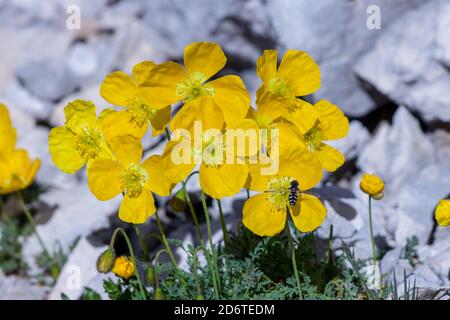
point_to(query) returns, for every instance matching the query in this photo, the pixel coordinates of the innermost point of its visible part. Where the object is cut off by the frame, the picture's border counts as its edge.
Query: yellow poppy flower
(17, 170)
(330, 125)
(80, 140)
(142, 104)
(108, 178)
(372, 185)
(123, 267)
(202, 60)
(7, 132)
(297, 75)
(442, 213)
(221, 173)
(265, 214)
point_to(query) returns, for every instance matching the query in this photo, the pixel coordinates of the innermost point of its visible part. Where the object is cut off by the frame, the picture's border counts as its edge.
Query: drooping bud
(106, 260)
(158, 294)
(178, 202)
(150, 276)
(199, 297)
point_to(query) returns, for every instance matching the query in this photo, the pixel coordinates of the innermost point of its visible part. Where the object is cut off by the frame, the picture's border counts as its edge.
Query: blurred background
(386, 63)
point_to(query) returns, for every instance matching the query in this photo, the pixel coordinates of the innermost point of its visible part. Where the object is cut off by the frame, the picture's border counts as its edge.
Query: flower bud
(178, 202)
(123, 267)
(199, 297)
(158, 294)
(150, 276)
(372, 185)
(442, 213)
(105, 261)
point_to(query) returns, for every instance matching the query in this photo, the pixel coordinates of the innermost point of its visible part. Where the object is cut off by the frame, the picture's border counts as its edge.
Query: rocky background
(393, 83)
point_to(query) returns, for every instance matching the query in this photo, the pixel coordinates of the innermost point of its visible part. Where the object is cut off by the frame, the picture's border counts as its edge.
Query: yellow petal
(291, 142)
(31, 173)
(242, 140)
(271, 105)
(260, 218)
(158, 181)
(266, 67)
(232, 97)
(303, 115)
(163, 79)
(203, 109)
(116, 123)
(160, 120)
(301, 71)
(118, 88)
(204, 57)
(141, 71)
(305, 168)
(310, 215)
(127, 149)
(256, 180)
(8, 138)
(224, 180)
(104, 179)
(333, 123)
(330, 158)
(80, 114)
(137, 210)
(63, 150)
(172, 161)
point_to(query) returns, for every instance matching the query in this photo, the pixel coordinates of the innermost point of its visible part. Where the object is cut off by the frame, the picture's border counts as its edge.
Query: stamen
(133, 180)
(89, 143)
(141, 113)
(194, 87)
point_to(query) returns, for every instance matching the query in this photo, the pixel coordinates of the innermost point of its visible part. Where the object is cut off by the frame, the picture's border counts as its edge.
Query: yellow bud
(199, 297)
(159, 294)
(442, 213)
(178, 203)
(105, 261)
(372, 185)
(123, 267)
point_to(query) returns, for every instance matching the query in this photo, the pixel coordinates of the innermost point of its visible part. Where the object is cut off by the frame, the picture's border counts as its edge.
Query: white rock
(15, 288)
(77, 213)
(79, 270)
(335, 34)
(410, 61)
(49, 79)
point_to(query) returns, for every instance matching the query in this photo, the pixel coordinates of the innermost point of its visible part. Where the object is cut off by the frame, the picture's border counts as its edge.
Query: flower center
(278, 189)
(89, 143)
(133, 180)
(281, 88)
(141, 113)
(212, 151)
(194, 87)
(314, 137)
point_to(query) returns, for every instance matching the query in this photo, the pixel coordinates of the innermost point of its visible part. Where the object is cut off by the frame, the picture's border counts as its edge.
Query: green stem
(294, 261)
(166, 131)
(197, 280)
(169, 250)
(222, 222)
(372, 239)
(142, 243)
(192, 210)
(130, 249)
(156, 262)
(32, 223)
(211, 244)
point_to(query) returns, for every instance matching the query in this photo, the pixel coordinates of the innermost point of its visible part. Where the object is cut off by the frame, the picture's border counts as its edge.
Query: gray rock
(335, 34)
(410, 64)
(49, 79)
(78, 272)
(16, 288)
